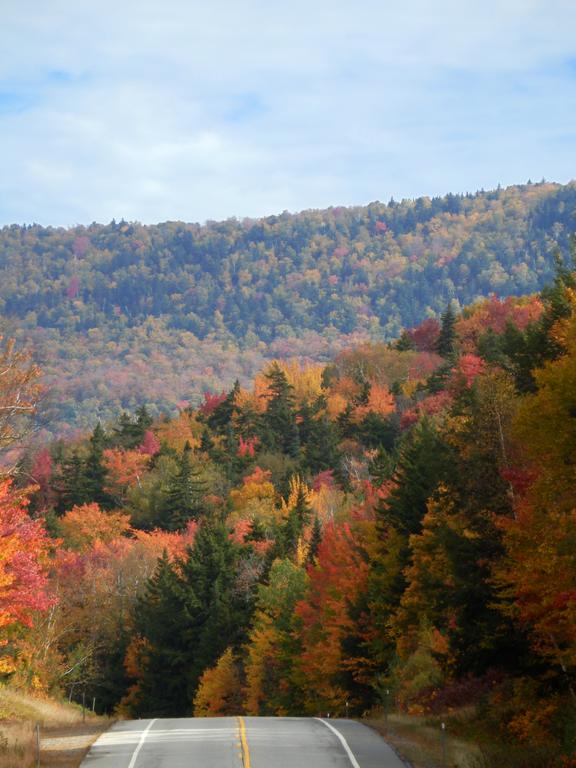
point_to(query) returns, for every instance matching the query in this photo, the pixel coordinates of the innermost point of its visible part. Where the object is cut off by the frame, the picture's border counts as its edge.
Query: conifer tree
(159, 620)
(423, 463)
(187, 619)
(279, 419)
(315, 541)
(321, 452)
(70, 484)
(183, 500)
(447, 337)
(220, 418)
(95, 472)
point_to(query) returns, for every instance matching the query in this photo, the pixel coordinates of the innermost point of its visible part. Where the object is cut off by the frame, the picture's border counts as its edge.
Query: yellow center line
(244, 742)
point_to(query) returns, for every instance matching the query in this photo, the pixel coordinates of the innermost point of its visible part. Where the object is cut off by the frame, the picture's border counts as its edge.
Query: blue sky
(196, 110)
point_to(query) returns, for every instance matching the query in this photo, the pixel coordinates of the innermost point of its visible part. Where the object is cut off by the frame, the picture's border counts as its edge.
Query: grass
(17, 745)
(422, 743)
(59, 722)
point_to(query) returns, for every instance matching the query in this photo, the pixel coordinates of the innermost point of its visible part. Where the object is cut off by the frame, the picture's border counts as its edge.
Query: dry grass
(64, 734)
(423, 745)
(17, 745)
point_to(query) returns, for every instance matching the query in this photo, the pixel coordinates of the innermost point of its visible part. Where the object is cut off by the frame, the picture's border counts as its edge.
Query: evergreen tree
(279, 419)
(315, 541)
(160, 620)
(298, 519)
(404, 343)
(187, 618)
(220, 418)
(447, 337)
(382, 467)
(129, 433)
(423, 463)
(321, 451)
(183, 499)
(95, 472)
(70, 484)
(206, 442)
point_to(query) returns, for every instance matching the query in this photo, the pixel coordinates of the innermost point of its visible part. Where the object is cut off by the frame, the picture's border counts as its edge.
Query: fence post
(37, 745)
(443, 737)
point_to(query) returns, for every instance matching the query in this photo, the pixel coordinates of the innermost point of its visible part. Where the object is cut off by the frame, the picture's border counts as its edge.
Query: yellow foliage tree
(219, 690)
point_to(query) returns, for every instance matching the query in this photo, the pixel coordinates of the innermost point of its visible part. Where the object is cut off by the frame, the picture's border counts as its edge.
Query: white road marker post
(37, 745)
(386, 705)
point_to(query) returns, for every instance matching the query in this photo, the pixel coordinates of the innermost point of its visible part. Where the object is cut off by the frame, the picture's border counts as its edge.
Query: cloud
(192, 110)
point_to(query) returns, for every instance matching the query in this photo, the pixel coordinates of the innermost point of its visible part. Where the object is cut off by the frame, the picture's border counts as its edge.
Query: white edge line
(342, 739)
(141, 744)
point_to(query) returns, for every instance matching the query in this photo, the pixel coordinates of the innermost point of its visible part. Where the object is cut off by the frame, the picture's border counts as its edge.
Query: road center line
(140, 744)
(244, 742)
(343, 741)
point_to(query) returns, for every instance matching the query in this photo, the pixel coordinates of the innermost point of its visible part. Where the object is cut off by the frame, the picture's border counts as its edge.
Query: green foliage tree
(187, 618)
(184, 497)
(280, 429)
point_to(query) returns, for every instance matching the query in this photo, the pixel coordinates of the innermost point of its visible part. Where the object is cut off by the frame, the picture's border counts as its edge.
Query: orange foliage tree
(337, 581)
(24, 547)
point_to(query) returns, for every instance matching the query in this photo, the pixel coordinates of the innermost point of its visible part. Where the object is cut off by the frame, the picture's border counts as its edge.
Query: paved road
(241, 742)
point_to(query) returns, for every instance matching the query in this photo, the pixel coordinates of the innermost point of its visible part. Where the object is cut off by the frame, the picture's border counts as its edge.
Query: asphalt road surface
(241, 742)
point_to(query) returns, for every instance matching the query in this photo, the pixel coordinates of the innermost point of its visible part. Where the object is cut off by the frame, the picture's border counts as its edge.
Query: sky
(187, 110)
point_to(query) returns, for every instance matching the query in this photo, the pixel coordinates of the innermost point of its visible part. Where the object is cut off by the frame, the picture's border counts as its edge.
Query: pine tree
(321, 452)
(447, 337)
(160, 621)
(404, 343)
(423, 463)
(70, 484)
(315, 541)
(184, 496)
(95, 472)
(187, 618)
(279, 419)
(130, 432)
(298, 518)
(220, 418)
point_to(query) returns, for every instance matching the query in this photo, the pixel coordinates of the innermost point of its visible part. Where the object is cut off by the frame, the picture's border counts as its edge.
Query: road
(241, 742)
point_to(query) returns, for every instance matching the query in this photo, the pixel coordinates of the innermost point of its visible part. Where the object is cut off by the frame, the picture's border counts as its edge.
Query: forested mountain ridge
(205, 304)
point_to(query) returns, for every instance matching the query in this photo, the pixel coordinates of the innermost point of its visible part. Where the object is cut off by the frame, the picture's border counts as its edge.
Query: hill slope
(124, 314)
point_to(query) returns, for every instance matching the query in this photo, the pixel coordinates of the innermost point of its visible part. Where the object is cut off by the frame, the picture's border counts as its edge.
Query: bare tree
(19, 394)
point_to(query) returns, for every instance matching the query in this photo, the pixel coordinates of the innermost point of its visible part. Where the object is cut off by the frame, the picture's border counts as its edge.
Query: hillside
(124, 314)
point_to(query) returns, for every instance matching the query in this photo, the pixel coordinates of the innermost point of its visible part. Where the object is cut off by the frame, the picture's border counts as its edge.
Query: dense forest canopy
(124, 314)
(396, 525)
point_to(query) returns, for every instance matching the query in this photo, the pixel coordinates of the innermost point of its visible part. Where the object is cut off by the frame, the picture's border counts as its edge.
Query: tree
(279, 418)
(183, 500)
(219, 691)
(325, 671)
(272, 649)
(24, 549)
(94, 473)
(19, 393)
(190, 614)
(423, 463)
(85, 524)
(447, 336)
